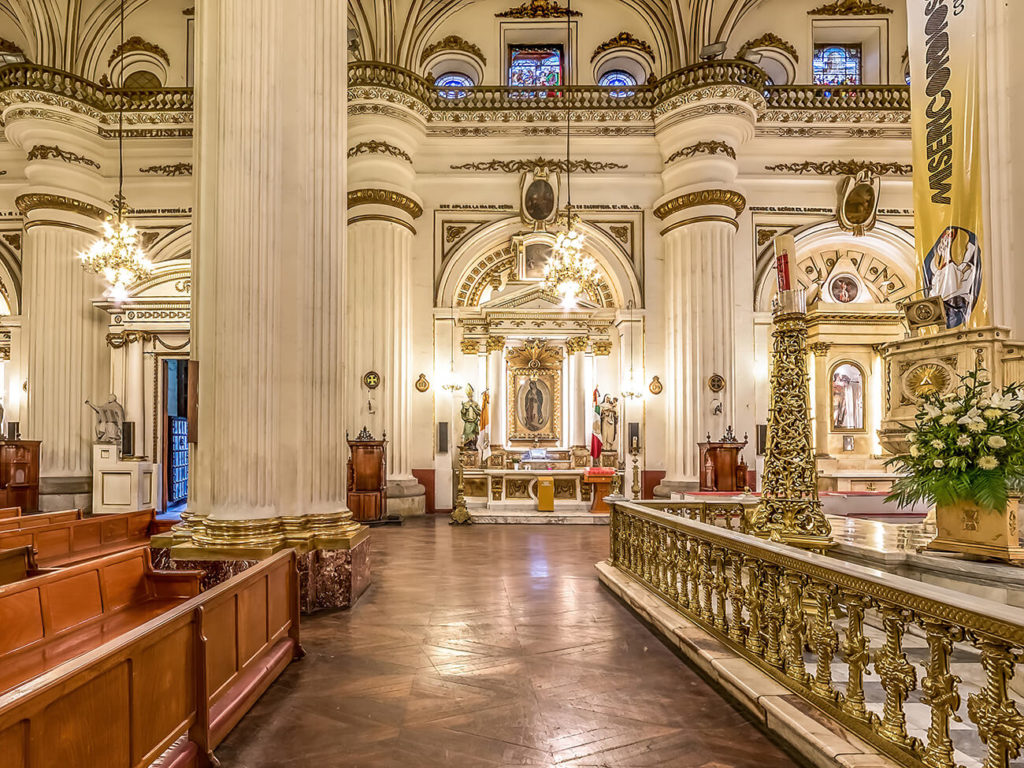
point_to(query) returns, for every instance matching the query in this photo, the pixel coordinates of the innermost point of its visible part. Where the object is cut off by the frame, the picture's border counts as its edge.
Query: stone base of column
(60, 493)
(406, 498)
(666, 488)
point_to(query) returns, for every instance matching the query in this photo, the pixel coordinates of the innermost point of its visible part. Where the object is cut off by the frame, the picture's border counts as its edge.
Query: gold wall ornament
(575, 344)
(495, 343)
(470, 346)
(370, 196)
(703, 148)
(768, 40)
(454, 232)
(39, 201)
(535, 353)
(538, 9)
(124, 338)
(850, 8)
(601, 347)
(857, 207)
(375, 147)
(929, 378)
(620, 232)
(624, 40)
(656, 387)
(764, 236)
(453, 43)
(716, 383)
(725, 197)
(136, 44)
(422, 383)
(169, 169)
(53, 152)
(538, 164)
(790, 510)
(844, 168)
(371, 379)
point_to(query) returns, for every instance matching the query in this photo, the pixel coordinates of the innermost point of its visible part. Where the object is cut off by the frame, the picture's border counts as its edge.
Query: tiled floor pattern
(491, 646)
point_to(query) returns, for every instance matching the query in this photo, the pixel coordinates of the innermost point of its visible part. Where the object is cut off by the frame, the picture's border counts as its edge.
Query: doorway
(175, 436)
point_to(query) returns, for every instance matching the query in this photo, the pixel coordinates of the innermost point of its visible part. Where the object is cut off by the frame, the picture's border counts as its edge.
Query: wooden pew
(73, 541)
(17, 564)
(49, 518)
(9, 512)
(194, 669)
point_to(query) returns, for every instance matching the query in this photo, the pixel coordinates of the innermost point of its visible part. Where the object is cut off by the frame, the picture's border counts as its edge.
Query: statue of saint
(533, 405)
(609, 422)
(109, 418)
(470, 420)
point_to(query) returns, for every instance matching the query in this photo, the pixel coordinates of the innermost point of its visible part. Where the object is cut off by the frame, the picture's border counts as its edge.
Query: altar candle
(785, 254)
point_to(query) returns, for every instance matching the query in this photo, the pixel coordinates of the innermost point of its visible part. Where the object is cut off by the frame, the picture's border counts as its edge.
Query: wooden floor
(490, 646)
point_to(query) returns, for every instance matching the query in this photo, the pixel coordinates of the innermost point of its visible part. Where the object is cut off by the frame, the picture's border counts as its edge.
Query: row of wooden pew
(106, 661)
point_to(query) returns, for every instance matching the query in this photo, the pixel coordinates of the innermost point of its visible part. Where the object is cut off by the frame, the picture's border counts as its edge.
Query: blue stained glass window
(837, 64)
(620, 79)
(531, 65)
(453, 80)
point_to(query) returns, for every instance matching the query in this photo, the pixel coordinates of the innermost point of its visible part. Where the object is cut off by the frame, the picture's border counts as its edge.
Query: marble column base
(667, 487)
(328, 578)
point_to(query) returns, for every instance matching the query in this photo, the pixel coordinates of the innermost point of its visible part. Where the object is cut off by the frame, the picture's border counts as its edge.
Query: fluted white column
(269, 264)
(66, 354)
(583, 416)
(700, 332)
(379, 302)
(496, 384)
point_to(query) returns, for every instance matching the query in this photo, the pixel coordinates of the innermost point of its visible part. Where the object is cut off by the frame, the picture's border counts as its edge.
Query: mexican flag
(595, 430)
(484, 440)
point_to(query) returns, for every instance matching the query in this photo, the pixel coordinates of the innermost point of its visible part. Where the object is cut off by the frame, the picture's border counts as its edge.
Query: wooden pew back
(8, 512)
(195, 669)
(72, 541)
(16, 564)
(49, 518)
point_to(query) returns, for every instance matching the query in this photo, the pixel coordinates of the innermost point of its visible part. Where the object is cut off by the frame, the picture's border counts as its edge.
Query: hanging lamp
(451, 384)
(568, 272)
(632, 389)
(118, 256)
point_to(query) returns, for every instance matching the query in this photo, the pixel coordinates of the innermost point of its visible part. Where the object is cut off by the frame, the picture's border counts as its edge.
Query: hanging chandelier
(118, 256)
(569, 273)
(631, 388)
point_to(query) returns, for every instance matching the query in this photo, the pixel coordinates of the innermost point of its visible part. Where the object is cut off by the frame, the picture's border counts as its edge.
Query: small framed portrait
(844, 289)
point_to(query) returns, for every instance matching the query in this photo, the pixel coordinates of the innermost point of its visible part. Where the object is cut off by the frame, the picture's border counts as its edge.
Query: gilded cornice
(453, 43)
(704, 148)
(537, 9)
(136, 43)
(171, 169)
(35, 201)
(624, 40)
(384, 197)
(768, 40)
(726, 197)
(378, 148)
(538, 164)
(47, 152)
(124, 338)
(844, 168)
(850, 8)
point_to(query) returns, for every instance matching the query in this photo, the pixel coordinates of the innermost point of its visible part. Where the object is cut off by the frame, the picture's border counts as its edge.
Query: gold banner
(947, 158)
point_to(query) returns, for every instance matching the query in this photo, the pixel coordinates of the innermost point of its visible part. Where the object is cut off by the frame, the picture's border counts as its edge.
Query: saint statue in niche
(609, 421)
(847, 398)
(470, 420)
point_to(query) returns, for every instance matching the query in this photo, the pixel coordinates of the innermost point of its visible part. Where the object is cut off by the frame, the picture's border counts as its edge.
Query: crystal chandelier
(568, 272)
(118, 255)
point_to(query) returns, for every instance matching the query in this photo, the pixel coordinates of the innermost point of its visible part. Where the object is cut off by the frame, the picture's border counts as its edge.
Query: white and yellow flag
(947, 158)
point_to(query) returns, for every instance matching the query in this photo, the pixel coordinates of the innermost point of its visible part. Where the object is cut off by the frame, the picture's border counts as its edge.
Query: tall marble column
(698, 217)
(268, 298)
(821, 397)
(580, 410)
(496, 384)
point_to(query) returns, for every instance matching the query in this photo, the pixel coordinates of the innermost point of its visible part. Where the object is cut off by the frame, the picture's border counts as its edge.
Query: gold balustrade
(801, 617)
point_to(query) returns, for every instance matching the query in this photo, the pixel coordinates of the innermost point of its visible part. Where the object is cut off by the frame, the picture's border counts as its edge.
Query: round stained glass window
(450, 84)
(618, 79)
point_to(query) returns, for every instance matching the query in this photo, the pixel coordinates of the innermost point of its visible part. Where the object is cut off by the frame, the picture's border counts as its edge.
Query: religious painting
(535, 393)
(847, 398)
(844, 289)
(952, 272)
(535, 258)
(858, 203)
(538, 197)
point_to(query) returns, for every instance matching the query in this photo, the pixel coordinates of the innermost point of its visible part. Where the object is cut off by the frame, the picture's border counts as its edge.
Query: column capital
(602, 348)
(576, 344)
(470, 346)
(495, 343)
(720, 205)
(819, 348)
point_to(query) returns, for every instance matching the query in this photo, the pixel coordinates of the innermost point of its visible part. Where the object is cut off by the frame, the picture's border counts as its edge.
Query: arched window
(847, 384)
(837, 64)
(142, 80)
(618, 79)
(451, 83)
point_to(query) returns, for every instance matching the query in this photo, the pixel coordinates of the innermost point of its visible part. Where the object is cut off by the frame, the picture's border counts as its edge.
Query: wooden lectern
(367, 477)
(720, 463)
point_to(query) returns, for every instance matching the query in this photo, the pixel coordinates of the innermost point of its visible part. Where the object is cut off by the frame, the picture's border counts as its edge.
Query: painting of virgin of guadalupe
(952, 271)
(534, 409)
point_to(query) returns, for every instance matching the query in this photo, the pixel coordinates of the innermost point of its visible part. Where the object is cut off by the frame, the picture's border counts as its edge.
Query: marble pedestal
(406, 498)
(328, 578)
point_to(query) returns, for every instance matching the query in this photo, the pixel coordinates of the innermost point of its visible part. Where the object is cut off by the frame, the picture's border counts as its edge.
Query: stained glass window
(618, 78)
(453, 81)
(531, 65)
(837, 64)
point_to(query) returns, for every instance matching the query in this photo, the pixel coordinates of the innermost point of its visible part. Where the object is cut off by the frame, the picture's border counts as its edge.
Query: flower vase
(966, 528)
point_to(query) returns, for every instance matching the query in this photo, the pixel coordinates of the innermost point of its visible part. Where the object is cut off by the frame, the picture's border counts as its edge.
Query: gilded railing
(821, 627)
(741, 74)
(33, 77)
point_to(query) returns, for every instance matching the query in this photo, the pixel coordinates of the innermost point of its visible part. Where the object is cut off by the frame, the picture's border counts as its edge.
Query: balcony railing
(370, 74)
(33, 77)
(820, 626)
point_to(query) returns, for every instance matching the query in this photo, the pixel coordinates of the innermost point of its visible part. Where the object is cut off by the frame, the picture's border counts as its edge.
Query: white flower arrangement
(967, 445)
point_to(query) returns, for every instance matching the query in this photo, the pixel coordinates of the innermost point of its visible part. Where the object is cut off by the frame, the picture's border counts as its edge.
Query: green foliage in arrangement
(965, 446)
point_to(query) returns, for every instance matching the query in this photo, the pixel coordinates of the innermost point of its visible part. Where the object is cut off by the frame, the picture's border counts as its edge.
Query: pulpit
(720, 463)
(367, 478)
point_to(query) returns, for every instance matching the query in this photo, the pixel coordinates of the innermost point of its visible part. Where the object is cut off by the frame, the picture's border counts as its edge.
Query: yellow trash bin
(545, 494)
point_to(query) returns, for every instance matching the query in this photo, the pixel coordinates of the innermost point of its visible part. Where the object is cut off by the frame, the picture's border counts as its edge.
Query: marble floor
(491, 646)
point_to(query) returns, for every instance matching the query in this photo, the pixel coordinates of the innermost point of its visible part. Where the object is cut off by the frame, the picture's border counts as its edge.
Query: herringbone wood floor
(490, 646)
